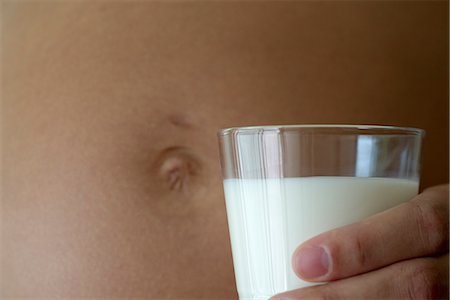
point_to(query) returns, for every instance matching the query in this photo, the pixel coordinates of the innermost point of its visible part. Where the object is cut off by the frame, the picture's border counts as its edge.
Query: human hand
(399, 253)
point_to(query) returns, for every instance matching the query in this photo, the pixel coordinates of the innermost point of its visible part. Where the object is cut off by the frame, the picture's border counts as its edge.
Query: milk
(269, 218)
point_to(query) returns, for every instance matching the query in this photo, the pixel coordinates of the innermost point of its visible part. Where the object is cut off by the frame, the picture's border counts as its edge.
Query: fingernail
(312, 262)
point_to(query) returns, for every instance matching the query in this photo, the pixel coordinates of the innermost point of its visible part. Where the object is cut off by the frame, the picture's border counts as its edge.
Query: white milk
(269, 218)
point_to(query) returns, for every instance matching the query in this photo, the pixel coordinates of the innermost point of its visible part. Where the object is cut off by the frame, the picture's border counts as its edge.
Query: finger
(414, 229)
(419, 278)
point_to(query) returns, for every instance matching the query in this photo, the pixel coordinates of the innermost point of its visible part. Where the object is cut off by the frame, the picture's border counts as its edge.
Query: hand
(399, 253)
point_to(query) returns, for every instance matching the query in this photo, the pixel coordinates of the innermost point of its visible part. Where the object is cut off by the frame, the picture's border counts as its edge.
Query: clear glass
(286, 184)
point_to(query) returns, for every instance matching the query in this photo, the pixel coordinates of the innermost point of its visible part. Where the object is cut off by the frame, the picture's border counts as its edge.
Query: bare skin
(401, 253)
(111, 178)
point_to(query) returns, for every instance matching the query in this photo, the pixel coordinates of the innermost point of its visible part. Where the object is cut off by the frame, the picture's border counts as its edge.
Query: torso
(111, 175)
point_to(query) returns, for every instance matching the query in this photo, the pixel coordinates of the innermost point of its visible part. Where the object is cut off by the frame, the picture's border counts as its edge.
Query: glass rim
(382, 129)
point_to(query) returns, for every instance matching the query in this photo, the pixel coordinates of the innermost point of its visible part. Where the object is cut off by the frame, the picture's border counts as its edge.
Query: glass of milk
(286, 184)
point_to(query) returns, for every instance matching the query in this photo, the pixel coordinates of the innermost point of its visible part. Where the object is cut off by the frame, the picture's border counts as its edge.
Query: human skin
(401, 253)
(110, 170)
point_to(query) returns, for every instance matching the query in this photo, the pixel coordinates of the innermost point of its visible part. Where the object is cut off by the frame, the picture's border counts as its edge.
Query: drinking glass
(285, 184)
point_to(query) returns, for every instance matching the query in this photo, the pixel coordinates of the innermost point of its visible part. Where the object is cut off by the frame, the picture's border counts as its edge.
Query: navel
(178, 168)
